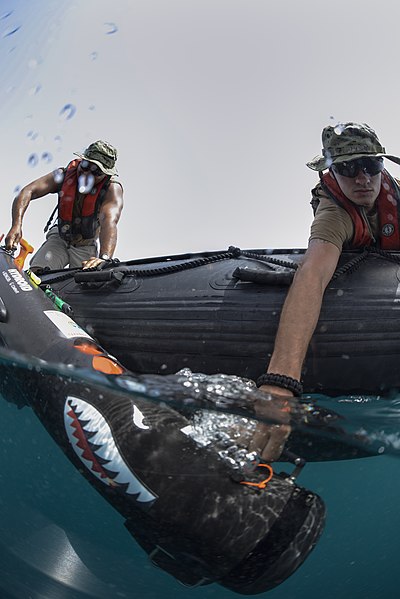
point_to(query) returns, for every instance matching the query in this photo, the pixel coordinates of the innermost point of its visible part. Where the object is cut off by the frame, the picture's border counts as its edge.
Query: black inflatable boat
(217, 312)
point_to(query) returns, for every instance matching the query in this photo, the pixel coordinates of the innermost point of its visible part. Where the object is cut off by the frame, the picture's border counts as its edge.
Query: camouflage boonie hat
(348, 141)
(103, 154)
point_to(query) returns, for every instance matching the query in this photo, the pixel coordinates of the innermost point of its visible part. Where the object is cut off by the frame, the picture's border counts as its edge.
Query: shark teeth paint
(92, 440)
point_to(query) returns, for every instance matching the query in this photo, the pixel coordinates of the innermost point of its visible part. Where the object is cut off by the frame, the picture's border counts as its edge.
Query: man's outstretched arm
(299, 318)
(302, 308)
(37, 189)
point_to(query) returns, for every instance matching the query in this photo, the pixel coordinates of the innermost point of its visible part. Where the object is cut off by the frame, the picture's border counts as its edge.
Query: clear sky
(215, 106)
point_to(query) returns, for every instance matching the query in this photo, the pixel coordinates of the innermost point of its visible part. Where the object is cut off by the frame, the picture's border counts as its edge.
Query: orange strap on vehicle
(263, 483)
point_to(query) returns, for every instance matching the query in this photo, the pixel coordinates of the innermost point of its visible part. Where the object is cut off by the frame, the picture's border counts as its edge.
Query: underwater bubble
(10, 31)
(33, 160)
(110, 28)
(67, 112)
(35, 90)
(47, 157)
(93, 55)
(130, 385)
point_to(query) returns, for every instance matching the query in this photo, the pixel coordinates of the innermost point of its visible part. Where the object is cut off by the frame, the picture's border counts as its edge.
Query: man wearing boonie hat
(90, 202)
(356, 204)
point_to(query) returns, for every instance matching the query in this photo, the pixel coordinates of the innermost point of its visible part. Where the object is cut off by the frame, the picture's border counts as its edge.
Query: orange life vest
(388, 213)
(71, 224)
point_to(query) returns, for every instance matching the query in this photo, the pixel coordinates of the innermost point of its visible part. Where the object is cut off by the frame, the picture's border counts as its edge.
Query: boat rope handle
(262, 484)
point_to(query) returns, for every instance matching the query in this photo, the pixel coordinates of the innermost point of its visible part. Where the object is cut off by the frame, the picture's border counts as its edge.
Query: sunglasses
(370, 166)
(88, 166)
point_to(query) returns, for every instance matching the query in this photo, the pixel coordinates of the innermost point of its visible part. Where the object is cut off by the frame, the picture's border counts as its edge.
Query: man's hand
(93, 262)
(269, 439)
(13, 238)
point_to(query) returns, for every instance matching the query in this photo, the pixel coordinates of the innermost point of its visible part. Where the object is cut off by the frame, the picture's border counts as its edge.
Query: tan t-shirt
(333, 223)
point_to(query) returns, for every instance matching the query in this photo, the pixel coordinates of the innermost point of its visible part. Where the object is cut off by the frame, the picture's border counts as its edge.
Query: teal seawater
(60, 539)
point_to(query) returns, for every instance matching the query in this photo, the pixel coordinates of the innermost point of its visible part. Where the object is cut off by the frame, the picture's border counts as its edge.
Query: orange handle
(24, 251)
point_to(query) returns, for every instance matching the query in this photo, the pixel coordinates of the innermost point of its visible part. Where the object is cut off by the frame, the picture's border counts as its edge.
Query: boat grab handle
(263, 276)
(98, 276)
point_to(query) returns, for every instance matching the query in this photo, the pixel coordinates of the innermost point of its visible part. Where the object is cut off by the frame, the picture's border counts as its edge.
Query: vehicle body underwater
(196, 516)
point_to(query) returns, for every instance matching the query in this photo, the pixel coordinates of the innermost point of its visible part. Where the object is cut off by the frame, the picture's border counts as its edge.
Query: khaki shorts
(55, 253)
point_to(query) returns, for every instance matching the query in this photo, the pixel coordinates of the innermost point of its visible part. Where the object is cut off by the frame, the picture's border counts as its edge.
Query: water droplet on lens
(33, 160)
(58, 175)
(85, 183)
(47, 157)
(339, 129)
(10, 31)
(35, 89)
(67, 112)
(32, 135)
(110, 28)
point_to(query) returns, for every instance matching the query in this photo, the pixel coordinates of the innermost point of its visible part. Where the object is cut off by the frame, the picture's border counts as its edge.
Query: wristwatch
(105, 257)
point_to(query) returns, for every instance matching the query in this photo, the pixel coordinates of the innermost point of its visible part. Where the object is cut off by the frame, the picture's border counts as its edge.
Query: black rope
(356, 262)
(350, 266)
(232, 253)
(385, 254)
(151, 272)
(269, 259)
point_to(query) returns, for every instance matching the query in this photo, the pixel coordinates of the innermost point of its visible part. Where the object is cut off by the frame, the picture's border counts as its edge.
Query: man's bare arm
(37, 189)
(298, 320)
(302, 308)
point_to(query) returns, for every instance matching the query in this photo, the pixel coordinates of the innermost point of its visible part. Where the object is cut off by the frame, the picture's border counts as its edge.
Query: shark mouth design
(93, 442)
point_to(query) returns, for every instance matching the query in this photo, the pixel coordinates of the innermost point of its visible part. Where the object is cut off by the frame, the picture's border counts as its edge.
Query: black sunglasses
(370, 166)
(89, 166)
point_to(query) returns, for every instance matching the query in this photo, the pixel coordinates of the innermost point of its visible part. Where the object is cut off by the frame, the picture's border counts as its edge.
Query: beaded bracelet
(281, 380)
